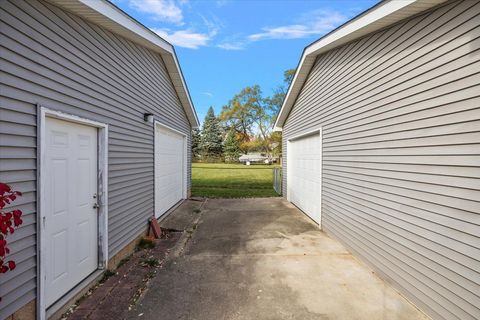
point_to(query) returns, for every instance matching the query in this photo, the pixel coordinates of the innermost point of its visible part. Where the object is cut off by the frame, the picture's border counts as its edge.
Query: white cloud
(208, 94)
(315, 23)
(221, 3)
(164, 10)
(190, 37)
(185, 38)
(213, 23)
(231, 45)
(293, 31)
(233, 42)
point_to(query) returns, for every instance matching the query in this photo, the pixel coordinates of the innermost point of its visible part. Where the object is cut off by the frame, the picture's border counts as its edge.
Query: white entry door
(304, 165)
(70, 224)
(170, 169)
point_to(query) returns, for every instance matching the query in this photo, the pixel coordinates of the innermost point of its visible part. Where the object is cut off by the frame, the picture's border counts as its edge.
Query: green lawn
(220, 180)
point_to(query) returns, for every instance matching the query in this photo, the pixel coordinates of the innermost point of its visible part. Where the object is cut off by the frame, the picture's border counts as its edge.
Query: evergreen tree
(211, 137)
(196, 143)
(232, 147)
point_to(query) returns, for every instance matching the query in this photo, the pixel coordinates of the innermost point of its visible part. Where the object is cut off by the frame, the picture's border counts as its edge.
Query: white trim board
(102, 199)
(380, 16)
(185, 162)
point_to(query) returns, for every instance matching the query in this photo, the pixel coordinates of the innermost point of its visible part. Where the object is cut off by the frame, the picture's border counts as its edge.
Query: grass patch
(124, 260)
(145, 243)
(220, 180)
(150, 262)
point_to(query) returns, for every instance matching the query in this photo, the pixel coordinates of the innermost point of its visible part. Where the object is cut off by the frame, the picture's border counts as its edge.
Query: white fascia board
(178, 81)
(351, 30)
(112, 18)
(301, 74)
(106, 14)
(374, 19)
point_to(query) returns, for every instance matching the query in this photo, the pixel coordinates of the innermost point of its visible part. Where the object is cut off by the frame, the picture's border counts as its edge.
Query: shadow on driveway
(263, 259)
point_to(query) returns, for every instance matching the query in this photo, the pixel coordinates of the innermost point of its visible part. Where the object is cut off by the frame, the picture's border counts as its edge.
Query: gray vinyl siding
(56, 59)
(400, 112)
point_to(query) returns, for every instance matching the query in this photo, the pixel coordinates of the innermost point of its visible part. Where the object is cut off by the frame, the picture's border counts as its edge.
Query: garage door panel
(304, 171)
(170, 168)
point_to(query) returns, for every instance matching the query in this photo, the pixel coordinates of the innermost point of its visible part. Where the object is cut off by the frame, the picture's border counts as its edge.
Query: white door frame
(185, 161)
(41, 184)
(289, 164)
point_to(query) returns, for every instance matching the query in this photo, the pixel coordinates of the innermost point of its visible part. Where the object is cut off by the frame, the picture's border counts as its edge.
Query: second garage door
(304, 174)
(170, 169)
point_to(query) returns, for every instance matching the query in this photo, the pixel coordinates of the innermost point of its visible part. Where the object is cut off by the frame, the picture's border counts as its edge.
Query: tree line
(244, 125)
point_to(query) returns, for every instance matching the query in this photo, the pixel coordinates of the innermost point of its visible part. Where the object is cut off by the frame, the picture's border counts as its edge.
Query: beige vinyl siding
(400, 114)
(56, 59)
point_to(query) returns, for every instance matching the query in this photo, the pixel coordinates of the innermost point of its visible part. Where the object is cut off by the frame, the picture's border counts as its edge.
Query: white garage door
(71, 248)
(304, 175)
(170, 169)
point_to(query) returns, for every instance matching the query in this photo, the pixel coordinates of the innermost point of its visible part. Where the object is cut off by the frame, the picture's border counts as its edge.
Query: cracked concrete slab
(183, 216)
(263, 259)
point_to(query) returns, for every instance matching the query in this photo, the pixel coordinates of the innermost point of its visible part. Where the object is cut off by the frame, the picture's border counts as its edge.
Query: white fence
(277, 180)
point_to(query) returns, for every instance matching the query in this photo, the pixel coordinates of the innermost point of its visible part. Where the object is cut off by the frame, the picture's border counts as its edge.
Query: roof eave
(376, 18)
(112, 18)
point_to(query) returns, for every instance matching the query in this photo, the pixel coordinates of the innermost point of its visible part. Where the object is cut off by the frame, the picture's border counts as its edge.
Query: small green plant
(123, 261)
(149, 275)
(150, 262)
(145, 243)
(106, 274)
(82, 298)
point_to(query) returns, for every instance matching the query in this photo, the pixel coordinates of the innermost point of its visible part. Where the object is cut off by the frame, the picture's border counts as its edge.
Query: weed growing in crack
(149, 275)
(123, 261)
(107, 274)
(150, 262)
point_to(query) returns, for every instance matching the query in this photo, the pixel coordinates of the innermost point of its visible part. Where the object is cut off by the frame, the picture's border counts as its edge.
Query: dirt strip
(115, 294)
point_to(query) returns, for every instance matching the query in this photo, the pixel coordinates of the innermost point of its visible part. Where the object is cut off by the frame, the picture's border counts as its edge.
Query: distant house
(381, 146)
(256, 157)
(96, 126)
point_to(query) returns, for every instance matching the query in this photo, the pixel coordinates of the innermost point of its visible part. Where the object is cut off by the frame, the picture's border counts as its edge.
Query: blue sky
(225, 45)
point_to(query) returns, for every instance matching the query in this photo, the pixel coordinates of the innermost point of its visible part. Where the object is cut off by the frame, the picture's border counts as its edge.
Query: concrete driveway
(263, 259)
